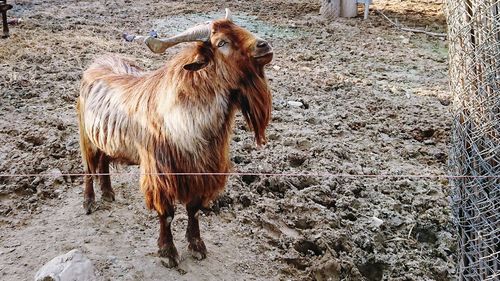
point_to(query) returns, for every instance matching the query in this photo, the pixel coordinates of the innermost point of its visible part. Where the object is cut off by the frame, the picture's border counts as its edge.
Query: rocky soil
(350, 97)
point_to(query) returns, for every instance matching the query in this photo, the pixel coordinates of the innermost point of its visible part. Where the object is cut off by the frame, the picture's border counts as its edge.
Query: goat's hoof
(88, 205)
(169, 255)
(197, 249)
(169, 262)
(108, 196)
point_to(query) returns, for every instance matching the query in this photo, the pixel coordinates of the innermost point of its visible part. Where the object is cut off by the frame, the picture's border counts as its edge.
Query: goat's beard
(255, 103)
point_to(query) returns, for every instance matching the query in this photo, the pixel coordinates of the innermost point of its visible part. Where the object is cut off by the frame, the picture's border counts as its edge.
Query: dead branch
(414, 30)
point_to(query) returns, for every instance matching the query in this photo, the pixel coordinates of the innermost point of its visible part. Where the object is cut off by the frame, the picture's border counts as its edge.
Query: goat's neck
(195, 119)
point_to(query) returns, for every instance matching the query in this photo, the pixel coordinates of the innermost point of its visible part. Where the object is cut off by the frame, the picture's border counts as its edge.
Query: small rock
(36, 181)
(55, 177)
(275, 67)
(429, 142)
(295, 104)
(71, 144)
(112, 259)
(405, 40)
(444, 99)
(70, 266)
(395, 221)
(376, 221)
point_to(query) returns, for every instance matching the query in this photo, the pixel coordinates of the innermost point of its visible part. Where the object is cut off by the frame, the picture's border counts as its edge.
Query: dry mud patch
(370, 105)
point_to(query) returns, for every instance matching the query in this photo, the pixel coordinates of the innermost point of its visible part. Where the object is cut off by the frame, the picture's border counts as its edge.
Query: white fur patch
(104, 112)
(186, 126)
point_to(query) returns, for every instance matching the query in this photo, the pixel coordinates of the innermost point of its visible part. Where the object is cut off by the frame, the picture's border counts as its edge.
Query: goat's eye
(221, 43)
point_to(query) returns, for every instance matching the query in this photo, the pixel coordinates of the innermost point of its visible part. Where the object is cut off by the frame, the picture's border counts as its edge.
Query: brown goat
(177, 119)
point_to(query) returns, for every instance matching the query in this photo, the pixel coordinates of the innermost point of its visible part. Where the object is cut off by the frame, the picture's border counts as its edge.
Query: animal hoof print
(88, 206)
(108, 196)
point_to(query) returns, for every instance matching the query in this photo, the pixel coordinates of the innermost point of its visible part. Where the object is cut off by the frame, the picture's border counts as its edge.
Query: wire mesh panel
(474, 44)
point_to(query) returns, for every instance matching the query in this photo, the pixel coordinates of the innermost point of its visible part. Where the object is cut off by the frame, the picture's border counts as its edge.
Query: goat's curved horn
(228, 14)
(196, 33)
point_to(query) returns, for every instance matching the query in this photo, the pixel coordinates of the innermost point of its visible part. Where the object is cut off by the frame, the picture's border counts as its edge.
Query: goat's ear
(198, 63)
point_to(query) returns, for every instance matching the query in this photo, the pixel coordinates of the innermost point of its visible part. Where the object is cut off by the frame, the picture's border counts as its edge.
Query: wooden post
(4, 7)
(348, 8)
(331, 9)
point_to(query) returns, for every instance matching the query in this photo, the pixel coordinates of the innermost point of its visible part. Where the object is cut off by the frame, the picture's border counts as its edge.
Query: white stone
(54, 177)
(376, 221)
(72, 266)
(295, 103)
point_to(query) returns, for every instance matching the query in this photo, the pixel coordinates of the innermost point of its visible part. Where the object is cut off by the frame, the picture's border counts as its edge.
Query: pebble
(112, 259)
(376, 221)
(405, 40)
(55, 177)
(429, 142)
(295, 104)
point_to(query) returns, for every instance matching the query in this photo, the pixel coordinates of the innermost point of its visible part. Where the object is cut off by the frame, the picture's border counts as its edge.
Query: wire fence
(277, 174)
(474, 45)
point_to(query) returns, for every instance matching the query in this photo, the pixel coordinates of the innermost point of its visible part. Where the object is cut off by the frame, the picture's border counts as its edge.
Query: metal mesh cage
(474, 45)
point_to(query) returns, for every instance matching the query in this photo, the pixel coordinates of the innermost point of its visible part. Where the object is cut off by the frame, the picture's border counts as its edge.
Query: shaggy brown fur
(173, 120)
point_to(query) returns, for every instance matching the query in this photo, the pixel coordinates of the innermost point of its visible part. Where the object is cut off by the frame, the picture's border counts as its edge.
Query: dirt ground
(374, 102)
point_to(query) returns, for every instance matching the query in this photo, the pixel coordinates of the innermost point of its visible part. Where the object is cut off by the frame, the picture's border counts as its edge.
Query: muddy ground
(374, 102)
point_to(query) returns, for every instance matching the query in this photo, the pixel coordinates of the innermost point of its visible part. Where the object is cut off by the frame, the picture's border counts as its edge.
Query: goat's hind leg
(196, 245)
(104, 179)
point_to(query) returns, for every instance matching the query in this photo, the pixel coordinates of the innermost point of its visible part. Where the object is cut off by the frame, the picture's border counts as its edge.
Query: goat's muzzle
(263, 53)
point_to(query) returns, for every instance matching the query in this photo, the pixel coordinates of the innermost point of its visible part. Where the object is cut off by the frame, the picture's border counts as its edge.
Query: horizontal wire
(326, 174)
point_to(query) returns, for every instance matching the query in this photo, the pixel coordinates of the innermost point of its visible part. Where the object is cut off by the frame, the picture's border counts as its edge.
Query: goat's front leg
(165, 241)
(196, 244)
